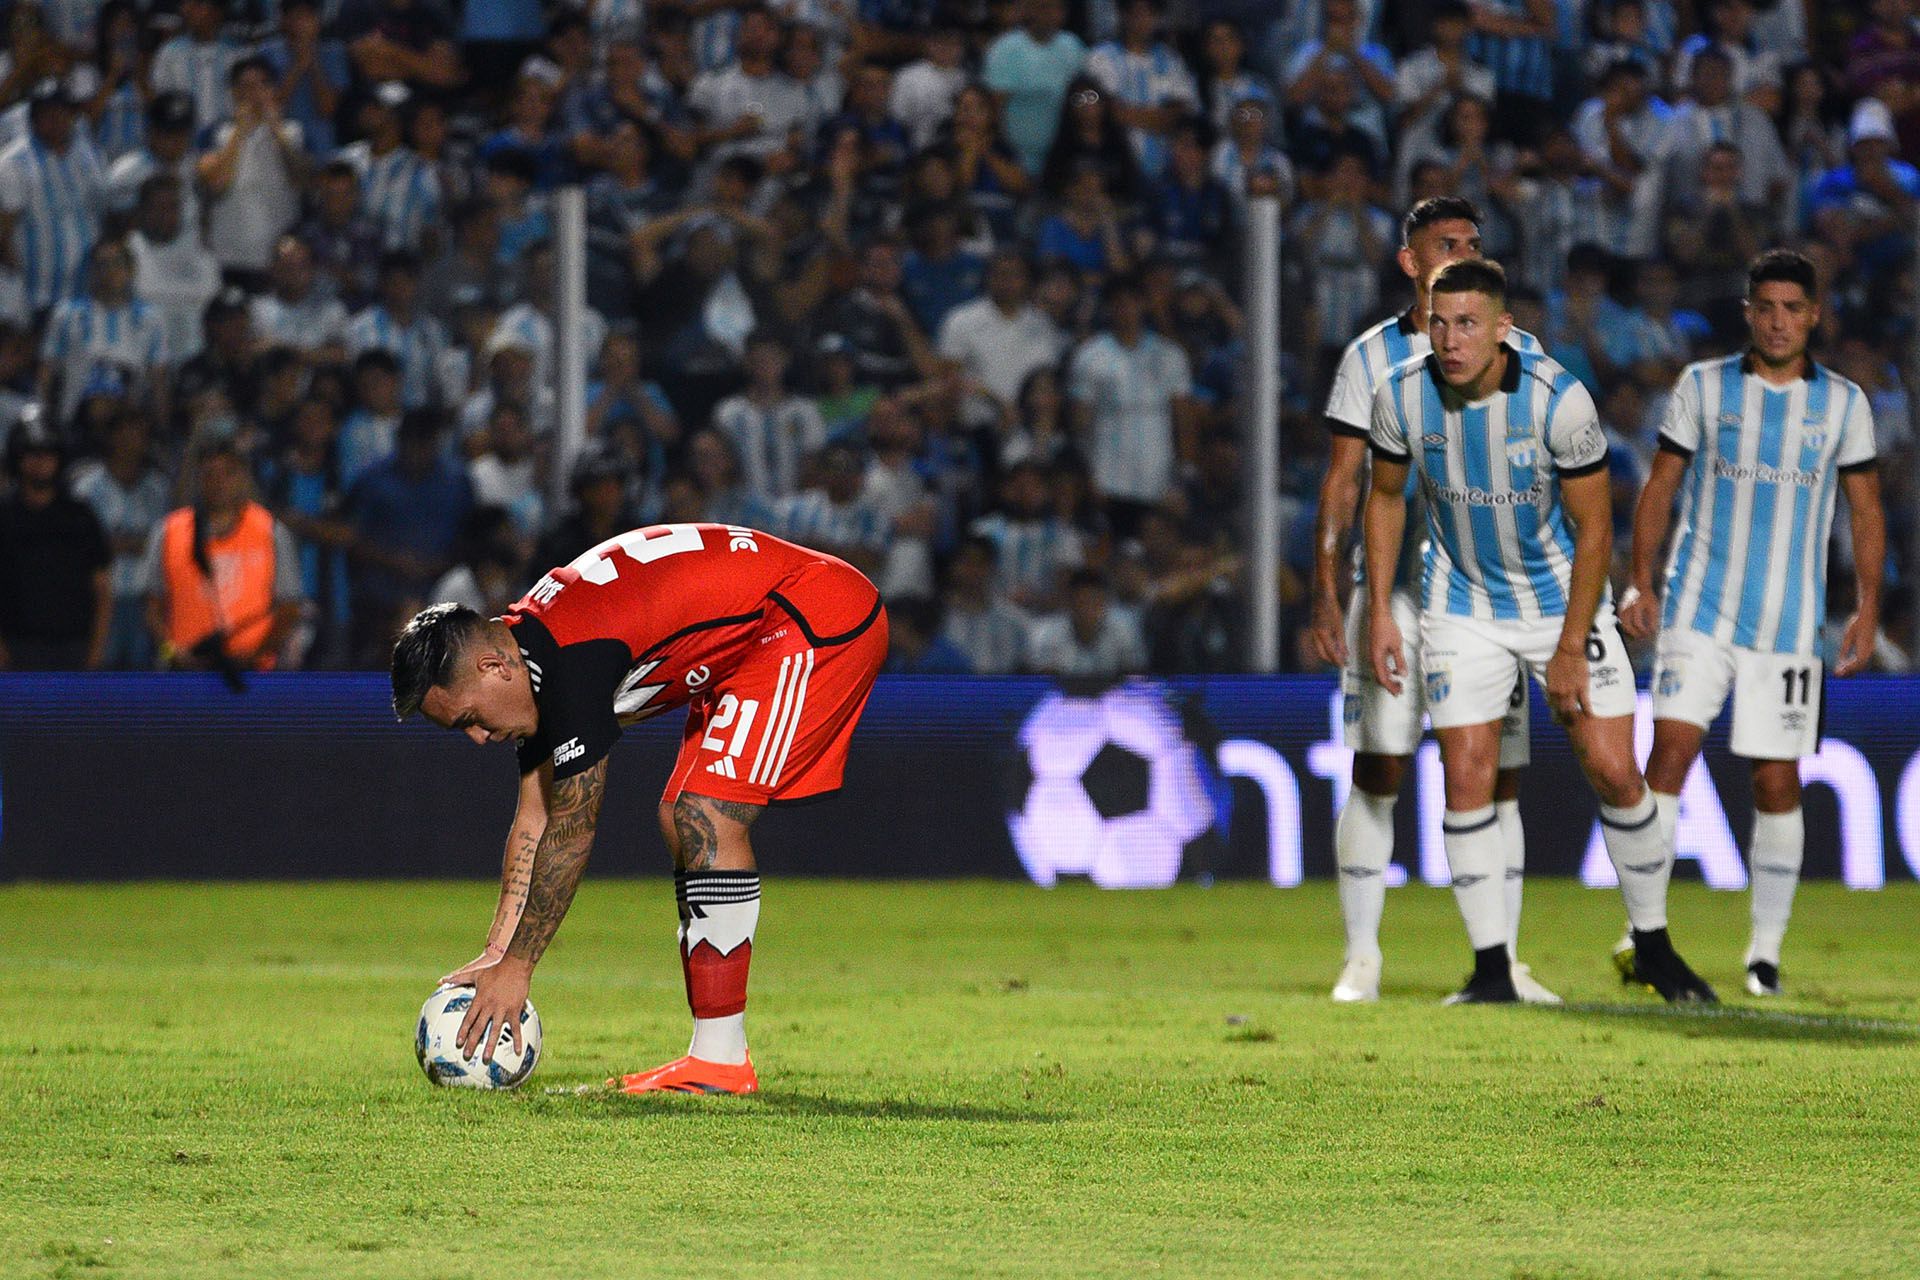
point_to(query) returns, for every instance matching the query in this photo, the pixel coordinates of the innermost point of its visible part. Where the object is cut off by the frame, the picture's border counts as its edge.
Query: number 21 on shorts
(735, 714)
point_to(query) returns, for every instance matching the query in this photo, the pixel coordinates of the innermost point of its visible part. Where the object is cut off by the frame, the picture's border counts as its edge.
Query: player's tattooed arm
(693, 821)
(573, 810)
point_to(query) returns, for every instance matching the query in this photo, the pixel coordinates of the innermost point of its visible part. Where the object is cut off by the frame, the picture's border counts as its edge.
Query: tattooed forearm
(693, 823)
(559, 861)
(516, 877)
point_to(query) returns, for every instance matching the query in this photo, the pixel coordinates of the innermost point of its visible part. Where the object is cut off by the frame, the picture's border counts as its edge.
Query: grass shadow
(1736, 1023)
(783, 1102)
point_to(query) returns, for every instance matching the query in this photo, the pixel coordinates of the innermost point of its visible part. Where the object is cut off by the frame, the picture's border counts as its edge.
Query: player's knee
(1379, 775)
(1617, 783)
(1776, 786)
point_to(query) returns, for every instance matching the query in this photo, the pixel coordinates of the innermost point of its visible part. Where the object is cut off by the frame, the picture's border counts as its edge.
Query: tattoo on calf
(693, 824)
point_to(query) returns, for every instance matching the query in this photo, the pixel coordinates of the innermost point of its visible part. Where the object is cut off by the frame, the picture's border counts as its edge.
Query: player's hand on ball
(466, 973)
(499, 993)
(1567, 685)
(1639, 613)
(1387, 651)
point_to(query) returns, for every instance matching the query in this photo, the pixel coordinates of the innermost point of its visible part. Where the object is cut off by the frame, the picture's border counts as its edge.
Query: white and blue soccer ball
(435, 1043)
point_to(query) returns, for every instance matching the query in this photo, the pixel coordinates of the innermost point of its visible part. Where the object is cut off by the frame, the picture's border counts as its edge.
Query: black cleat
(1491, 981)
(1657, 964)
(1763, 979)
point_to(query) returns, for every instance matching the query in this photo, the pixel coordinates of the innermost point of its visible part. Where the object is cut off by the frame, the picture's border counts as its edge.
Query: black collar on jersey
(1807, 366)
(538, 648)
(1405, 323)
(1509, 381)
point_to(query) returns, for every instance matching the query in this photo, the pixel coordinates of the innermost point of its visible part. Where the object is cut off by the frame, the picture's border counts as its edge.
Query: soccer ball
(1115, 791)
(434, 1043)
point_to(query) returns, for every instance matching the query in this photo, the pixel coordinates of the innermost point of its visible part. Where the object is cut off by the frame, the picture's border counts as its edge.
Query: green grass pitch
(959, 1079)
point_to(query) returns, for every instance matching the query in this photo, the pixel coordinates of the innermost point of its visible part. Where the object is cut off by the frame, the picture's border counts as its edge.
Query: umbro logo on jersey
(568, 750)
(1433, 440)
(724, 767)
(1729, 419)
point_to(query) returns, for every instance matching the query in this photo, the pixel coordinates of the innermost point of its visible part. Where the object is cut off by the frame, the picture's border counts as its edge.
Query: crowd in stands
(949, 288)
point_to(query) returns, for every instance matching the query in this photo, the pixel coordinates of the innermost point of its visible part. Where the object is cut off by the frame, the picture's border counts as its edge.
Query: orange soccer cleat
(691, 1075)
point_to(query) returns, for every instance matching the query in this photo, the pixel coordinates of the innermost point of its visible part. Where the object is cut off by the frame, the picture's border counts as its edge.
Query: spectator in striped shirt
(310, 73)
(399, 191)
(117, 106)
(834, 514)
(397, 324)
(1343, 54)
(108, 328)
(51, 193)
(771, 429)
(981, 622)
(1034, 549)
(198, 62)
(1151, 87)
(1093, 637)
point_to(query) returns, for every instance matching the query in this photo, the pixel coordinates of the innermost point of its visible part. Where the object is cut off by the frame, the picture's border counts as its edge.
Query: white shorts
(1389, 724)
(1468, 666)
(1776, 696)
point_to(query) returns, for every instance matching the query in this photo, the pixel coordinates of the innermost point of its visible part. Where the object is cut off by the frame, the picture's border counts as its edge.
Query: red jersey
(651, 619)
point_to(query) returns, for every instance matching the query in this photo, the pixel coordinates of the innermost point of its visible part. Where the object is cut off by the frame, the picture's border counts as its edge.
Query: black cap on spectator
(514, 162)
(420, 425)
(229, 301)
(30, 435)
(49, 92)
(595, 465)
(170, 112)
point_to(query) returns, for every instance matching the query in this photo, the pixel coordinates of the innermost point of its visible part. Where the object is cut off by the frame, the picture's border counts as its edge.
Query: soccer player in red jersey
(772, 648)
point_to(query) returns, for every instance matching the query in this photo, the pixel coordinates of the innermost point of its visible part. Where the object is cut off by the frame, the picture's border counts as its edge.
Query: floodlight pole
(570, 363)
(1262, 257)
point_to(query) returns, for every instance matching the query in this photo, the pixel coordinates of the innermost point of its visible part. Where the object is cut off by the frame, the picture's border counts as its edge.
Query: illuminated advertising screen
(1140, 784)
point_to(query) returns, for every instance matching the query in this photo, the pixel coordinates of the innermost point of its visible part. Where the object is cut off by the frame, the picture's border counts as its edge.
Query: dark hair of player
(425, 654)
(1437, 209)
(1787, 265)
(1471, 275)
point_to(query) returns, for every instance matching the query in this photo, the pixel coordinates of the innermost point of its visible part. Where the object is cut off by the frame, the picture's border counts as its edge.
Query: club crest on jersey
(1520, 452)
(1812, 437)
(1439, 685)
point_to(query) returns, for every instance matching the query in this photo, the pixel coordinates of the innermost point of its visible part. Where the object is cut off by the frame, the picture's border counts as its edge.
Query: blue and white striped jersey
(1521, 65)
(1498, 543)
(772, 441)
(55, 201)
(202, 72)
(400, 193)
(1033, 557)
(1363, 369)
(1749, 560)
(816, 520)
(417, 346)
(83, 335)
(1156, 78)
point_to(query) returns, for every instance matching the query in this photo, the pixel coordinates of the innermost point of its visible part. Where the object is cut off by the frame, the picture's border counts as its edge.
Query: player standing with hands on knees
(1755, 447)
(1512, 463)
(771, 647)
(1383, 727)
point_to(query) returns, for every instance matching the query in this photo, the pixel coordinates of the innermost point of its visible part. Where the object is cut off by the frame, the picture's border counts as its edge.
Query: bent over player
(1512, 462)
(772, 648)
(1382, 727)
(1761, 441)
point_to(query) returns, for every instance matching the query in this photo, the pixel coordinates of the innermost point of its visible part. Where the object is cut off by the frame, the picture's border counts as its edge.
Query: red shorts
(778, 727)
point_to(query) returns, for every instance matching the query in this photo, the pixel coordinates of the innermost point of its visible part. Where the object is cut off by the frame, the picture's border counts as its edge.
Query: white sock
(1641, 857)
(1513, 838)
(1668, 809)
(718, 913)
(1779, 845)
(1479, 874)
(1362, 847)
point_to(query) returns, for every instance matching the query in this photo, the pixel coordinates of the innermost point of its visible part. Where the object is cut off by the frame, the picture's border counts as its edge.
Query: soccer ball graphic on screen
(1116, 791)
(439, 1027)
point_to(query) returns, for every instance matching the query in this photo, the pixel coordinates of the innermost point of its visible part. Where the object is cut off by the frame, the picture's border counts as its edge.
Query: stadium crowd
(947, 287)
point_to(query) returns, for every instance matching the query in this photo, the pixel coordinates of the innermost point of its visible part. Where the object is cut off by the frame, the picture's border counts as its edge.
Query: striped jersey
(1363, 368)
(55, 200)
(85, 336)
(1033, 556)
(1521, 65)
(1156, 78)
(202, 72)
(400, 192)
(417, 346)
(1749, 560)
(772, 441)
(1498, 543)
